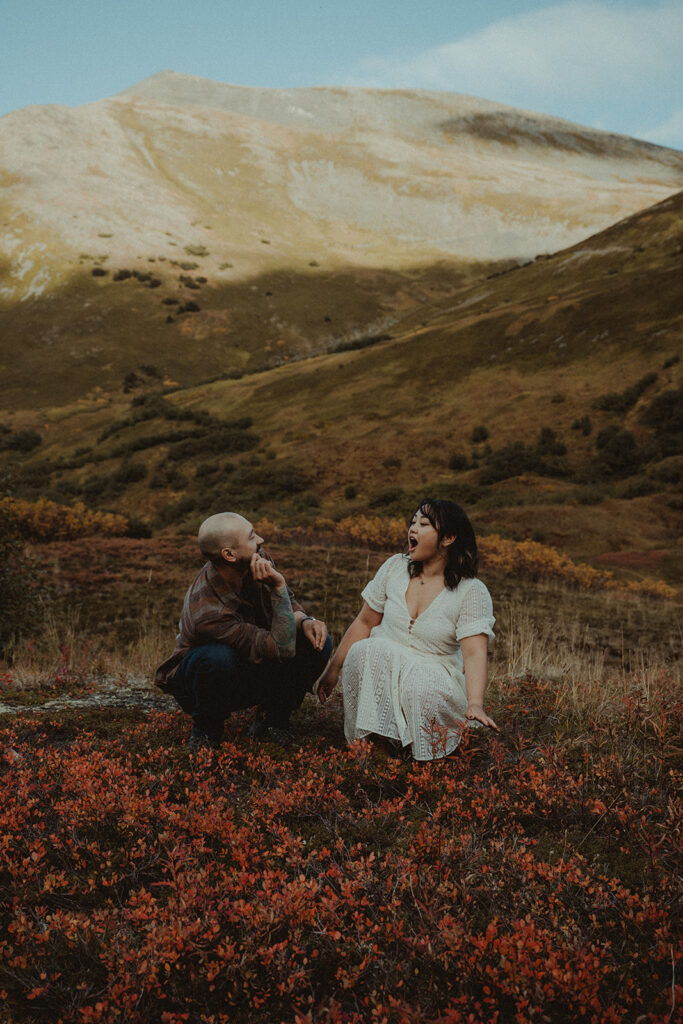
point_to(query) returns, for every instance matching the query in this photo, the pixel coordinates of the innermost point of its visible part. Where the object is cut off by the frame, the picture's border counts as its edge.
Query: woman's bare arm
(358, 630)
(475, 657)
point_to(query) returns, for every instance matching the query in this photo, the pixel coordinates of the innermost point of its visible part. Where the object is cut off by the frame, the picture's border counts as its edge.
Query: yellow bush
(525, 558)
(46, 520)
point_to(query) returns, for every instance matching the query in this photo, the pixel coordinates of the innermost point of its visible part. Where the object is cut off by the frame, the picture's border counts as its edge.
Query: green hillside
(545, 398)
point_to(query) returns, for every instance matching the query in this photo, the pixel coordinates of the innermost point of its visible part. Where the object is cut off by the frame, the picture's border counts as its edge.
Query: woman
(413, 663)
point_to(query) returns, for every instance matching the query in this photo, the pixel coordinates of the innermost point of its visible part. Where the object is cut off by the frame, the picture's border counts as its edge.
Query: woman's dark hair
(450, 520)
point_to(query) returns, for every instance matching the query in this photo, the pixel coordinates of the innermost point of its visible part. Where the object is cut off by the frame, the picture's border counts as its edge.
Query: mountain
(201, 229)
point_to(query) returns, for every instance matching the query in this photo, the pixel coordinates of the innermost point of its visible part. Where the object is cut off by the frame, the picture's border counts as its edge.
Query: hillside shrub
(458, 462)
(669, 472)
(222, 440)
(479, 434)
(618, 452)
(637, 487)
(196, 250)
(387, 496)
(253, 483)
(138, 444)
(584, 425)
(549, 443)
(350, 492)
(175, 511)
(168, 476)
(511, 460)
(622, 401)
(544, 458)
(99, 272)
(189, 307)
(22, 440)
(128, 473)
(122, 275)
(664, 415)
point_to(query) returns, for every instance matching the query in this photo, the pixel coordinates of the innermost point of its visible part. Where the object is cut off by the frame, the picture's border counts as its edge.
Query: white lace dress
(406, 682)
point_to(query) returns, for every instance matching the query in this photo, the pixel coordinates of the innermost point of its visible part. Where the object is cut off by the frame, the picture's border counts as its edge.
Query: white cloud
(575, 59)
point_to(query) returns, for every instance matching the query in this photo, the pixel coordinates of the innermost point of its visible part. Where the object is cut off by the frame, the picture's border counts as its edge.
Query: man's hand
(264, 571)
(315, 632)
(327, 683)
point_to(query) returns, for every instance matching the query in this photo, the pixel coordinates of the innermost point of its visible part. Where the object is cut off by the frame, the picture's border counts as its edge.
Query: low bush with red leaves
(528, 878)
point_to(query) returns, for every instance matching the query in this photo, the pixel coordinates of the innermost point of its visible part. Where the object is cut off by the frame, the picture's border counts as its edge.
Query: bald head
(224, 530)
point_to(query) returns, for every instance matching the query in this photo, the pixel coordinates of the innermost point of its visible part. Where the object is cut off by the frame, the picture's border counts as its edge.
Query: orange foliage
(525, 558)
(45, 520)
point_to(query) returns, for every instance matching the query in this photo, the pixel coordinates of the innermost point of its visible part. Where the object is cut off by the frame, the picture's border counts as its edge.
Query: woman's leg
(434, 708)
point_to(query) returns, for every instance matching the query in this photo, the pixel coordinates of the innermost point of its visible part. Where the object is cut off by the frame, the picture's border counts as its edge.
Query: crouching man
(244, 639)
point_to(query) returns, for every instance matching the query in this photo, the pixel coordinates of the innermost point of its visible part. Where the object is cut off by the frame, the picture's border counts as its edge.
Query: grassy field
(530, 877)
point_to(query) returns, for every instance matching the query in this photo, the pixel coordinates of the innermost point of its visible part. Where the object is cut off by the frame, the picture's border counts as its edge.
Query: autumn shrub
(528, 559)
(47, 520)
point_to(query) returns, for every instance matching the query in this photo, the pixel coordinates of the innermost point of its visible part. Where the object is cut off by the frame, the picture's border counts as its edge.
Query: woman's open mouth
(412, 543)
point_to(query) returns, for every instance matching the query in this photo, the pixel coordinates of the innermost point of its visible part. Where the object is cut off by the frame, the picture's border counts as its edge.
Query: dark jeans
(214, 679)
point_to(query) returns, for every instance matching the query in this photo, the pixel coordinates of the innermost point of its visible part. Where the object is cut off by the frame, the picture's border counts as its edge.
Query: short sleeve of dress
(476, 612)
(375, 593)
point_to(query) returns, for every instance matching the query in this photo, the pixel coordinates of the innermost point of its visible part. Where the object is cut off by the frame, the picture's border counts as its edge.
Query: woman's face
(423, 539)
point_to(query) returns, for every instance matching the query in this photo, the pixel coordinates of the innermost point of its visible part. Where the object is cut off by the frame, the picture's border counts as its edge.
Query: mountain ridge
(276, 239)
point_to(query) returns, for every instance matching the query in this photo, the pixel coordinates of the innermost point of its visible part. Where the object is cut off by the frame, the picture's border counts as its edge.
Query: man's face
(245, 541)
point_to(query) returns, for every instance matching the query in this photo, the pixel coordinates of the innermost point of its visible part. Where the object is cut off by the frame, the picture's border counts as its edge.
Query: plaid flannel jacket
(237, 612)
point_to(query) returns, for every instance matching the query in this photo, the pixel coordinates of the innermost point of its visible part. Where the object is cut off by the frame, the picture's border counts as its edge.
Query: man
(244, 639)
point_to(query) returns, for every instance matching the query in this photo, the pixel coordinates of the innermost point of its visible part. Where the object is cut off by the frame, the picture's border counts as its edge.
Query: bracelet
(307, 618)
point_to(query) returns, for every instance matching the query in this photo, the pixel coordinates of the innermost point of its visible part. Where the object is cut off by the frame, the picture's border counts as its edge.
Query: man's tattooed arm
(283, 628)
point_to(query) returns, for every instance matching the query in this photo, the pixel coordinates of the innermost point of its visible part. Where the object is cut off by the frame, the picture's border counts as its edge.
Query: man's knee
(211, 659)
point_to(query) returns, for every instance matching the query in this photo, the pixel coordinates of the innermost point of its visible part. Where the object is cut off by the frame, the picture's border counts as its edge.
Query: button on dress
(406, 680)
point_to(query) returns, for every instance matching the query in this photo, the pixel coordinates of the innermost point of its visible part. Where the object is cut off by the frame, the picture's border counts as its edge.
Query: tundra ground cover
(528, 878)
(531, 877)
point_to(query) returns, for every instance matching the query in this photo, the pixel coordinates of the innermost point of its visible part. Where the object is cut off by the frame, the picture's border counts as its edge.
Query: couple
(413, 663)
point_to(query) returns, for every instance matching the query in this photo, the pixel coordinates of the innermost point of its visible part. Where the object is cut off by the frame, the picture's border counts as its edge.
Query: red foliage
(328, 886)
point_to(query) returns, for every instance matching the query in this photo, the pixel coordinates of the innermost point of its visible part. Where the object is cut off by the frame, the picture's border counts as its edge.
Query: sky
(609, 64)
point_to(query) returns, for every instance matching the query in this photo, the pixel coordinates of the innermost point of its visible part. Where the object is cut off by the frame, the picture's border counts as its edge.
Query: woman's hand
(476, 713)
(315, 632)
(328, 681)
